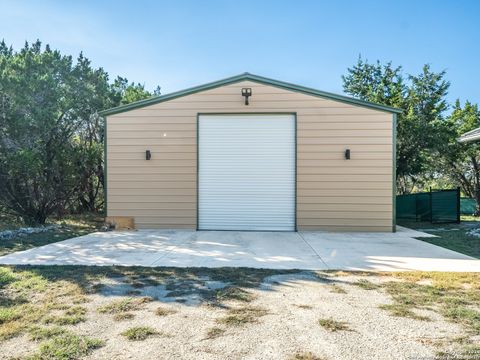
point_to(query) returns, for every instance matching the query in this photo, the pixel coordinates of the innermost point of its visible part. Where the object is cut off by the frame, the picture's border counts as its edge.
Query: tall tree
(92, 92)
(422, 99)
(37, 173)
(460, 162)
(51, 154)
(382, 84)
(127, 93)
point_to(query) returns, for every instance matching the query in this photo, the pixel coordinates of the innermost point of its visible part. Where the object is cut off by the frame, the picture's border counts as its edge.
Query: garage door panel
(247, 172)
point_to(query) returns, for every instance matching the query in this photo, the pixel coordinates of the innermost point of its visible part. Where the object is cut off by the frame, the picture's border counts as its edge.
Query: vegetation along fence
(435, 206)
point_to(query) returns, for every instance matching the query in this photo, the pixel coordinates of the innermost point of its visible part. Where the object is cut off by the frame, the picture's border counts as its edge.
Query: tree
(460, 162)
(127, 93)
(92, 92)
(381, 84)
(51, 152)
(422, 99)
(37, 172)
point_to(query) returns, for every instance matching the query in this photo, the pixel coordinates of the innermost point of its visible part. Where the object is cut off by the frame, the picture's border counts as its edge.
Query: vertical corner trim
(394, 172)
(105, 167)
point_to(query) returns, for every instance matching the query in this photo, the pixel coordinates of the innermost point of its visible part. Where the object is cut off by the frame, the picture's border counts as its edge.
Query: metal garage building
(251, 153)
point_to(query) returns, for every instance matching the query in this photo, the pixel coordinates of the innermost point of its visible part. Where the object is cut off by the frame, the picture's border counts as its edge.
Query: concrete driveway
(277, 250)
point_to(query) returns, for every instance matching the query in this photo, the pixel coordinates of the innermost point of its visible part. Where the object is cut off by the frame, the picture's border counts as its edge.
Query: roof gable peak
(251, 77)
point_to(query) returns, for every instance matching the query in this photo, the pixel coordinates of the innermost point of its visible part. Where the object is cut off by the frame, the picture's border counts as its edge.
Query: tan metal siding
(332, 193)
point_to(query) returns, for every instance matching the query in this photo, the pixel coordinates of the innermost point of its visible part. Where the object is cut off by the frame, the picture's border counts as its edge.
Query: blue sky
(178, 44)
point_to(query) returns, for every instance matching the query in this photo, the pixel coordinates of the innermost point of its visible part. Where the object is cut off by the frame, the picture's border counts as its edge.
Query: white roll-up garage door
(246, 175)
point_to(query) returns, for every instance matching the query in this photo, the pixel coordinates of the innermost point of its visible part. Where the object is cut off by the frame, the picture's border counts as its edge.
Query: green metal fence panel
(468, 206)
(434, 206)
(423, 207)
(445, 205)
(407, 207)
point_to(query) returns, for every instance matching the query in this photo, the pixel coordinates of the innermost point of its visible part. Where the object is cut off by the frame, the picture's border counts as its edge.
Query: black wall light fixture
(148, 155)
(246, 92)
(347, 154)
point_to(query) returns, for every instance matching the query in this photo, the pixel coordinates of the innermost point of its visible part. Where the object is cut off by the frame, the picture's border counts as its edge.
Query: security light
(246, 92)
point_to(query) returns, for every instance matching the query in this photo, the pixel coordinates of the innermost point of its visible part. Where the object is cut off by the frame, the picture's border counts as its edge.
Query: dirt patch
(251, 314)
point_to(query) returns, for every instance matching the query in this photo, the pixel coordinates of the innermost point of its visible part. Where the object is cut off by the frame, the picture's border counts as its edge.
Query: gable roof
(471, 135)
(249, 77)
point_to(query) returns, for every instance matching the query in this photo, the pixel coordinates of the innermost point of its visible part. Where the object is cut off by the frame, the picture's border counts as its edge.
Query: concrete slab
(386, 252)
(277, 250)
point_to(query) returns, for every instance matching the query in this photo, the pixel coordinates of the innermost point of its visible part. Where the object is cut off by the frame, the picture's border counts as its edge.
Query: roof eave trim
(157, 99)
(464, 139)
(471, 135)
(251, 77)
(324, 94)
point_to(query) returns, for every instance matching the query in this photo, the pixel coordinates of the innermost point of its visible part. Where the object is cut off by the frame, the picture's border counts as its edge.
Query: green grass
(8, 314)
(463, 315)
(458, 241)
(42, 295)
(37, 333)
(456, 296)
(66, 346)
(401, 310)
(71, 316)
(64, 319)
(234, 293)
(366, 285)
(466, 352)
(139, 333)
(123, 316)
(450, 236)
(72, 226)
(333, 325)
(31, 296)
(242, 316)
(6, 277)
(124, 305)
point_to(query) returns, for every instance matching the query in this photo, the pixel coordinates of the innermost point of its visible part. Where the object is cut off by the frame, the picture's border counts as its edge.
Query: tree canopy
(422, 98)
(51, 153)
(459, 163)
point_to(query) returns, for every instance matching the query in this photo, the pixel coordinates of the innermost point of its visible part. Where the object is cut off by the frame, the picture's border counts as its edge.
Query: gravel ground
(294, 305)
